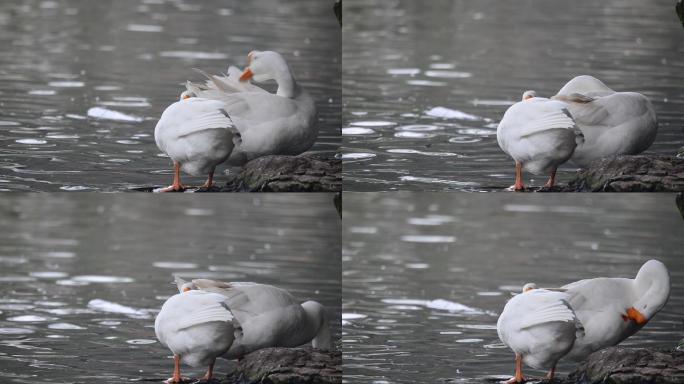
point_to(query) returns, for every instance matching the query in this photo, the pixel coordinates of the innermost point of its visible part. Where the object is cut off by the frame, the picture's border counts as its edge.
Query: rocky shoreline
(640, 173)
(622, 365)
(288, 366)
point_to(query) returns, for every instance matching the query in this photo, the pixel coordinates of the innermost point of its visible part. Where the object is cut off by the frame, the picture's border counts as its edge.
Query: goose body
(197, 327)
(540, 327)
(283, 123)
(613, 123)
(267, 316)
(197, 135)
(612, 309)
(539, 134)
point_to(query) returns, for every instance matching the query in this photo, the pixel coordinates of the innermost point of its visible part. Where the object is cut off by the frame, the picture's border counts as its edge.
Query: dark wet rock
(680, 203)
(288, 366)
(621, 365)
(303, 173)
(631, 174)
(679, 7)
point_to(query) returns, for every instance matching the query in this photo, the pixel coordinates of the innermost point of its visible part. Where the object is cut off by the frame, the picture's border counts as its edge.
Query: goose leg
(518, 371)
(210, 372)
(519, 186)
(176, 371)
(552, 179)
(551, 374)
(176, 186)
(210, 180)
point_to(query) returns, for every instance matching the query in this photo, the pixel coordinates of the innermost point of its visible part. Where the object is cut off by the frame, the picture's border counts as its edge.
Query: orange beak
(186, 289)
(186, 97)
(636, 316)
(246, 75)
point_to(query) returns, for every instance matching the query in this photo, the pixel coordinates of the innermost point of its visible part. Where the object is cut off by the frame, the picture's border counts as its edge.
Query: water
(473, 59)
(83, 83)
(425, 275)
(84, 276)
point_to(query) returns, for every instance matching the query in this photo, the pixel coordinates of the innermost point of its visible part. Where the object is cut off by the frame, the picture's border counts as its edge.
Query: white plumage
(280, 124)
(613, 123)
(540, 327)
(267, 316)
(197, 134)
(544, 325)
(539, 134)
(197, 327)
(612, 309)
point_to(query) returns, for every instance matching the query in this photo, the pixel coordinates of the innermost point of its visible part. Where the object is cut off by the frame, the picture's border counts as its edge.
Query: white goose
(280, 124)
(197, 135)
(266, 316)
(612, 309)
(197, 327)
(539, 134)
(613, 123)
(540, 327)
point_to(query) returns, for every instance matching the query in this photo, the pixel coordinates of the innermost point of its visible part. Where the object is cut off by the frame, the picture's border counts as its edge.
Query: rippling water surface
(82, 83)
(426, 83)
(84, 276)
(426, 275)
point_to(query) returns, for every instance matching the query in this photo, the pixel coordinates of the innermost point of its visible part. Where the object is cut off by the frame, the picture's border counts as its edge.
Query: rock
(303, 173)
(288, 366)
(680, 203)
(631, 174)
(621, 365)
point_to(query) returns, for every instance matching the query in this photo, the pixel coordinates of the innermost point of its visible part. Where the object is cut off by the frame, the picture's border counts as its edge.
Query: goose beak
(186, 289)
(246, 75)
(636, 316)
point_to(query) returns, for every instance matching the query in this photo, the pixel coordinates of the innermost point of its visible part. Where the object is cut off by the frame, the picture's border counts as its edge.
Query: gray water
(425, 275)
(403, 58)
(83, 276)
(60, 58)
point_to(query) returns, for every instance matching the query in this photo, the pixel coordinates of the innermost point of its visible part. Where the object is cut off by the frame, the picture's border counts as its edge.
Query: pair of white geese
(543, 325)
(585, 121)
(208, 319)
(230, 119)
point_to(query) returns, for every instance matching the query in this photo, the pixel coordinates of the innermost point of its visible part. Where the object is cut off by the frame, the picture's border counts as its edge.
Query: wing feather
(557, 119)
(555, 311)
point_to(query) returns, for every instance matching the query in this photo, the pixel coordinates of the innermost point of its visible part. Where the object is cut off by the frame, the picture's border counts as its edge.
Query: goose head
(652, 289)
(187, 95)
(528, 287)
(528, 95)
(184, 286)
(316, 314)
(269, 65)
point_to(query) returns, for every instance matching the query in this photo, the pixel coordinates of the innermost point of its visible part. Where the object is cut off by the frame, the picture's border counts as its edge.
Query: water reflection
(84, 276)
(425, 275)
(83, 83)
(454, 67)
